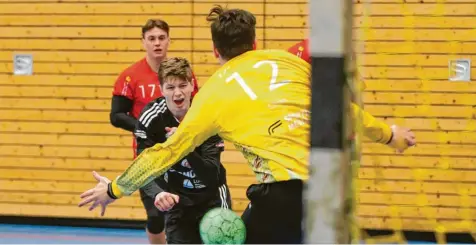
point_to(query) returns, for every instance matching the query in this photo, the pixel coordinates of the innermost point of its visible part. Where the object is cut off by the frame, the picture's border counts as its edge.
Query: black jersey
(195, 178)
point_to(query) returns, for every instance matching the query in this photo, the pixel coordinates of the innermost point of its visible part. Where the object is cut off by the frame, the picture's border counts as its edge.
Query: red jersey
(301, 49)
(141, 84)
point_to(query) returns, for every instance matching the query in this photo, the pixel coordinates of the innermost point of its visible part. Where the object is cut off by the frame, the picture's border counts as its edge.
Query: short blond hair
(175, 68)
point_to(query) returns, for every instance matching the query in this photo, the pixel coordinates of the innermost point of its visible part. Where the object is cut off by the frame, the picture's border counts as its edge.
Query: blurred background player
(375, 129)
(258, 100)
(196, 183)
(136, 86)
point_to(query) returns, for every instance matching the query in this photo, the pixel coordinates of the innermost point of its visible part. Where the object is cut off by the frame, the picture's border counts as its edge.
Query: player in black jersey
(185, 193)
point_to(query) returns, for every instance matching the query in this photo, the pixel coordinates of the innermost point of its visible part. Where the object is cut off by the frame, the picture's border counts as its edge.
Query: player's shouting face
(175, 76)
(177, 93)
(156, 43)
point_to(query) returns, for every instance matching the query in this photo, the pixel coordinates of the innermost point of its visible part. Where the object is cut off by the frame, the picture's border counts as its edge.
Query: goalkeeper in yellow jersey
(373, 128)
(259, 100)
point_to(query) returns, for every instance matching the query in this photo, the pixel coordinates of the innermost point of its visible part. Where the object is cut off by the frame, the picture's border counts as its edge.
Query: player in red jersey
(135, 87)
(301, 49)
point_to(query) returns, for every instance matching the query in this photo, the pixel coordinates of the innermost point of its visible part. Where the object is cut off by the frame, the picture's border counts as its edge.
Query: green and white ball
(222, 226)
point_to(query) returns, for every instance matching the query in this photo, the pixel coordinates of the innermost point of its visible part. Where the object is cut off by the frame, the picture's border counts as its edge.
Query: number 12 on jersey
(272, 86)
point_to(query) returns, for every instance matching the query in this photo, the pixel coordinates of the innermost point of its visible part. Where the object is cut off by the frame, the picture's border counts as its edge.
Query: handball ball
(222, 226)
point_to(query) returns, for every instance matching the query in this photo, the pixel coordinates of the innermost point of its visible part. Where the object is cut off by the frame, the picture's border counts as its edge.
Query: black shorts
(275, 213)
(182, 223)
(155, 218)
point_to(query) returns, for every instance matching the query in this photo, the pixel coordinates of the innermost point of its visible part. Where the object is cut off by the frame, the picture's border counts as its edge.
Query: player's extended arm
(198, 125)
(152, 189)
(374, 129)
(119, 117)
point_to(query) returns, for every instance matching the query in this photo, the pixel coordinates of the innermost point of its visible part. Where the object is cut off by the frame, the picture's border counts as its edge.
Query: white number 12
(272, 86)
(236, 76)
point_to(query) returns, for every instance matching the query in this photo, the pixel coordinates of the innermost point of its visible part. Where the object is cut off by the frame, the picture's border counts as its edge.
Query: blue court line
(70, 230)
(36, 234)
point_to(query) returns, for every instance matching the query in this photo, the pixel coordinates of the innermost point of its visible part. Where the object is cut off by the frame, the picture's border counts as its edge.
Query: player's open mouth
(179, 102)
(158, 50)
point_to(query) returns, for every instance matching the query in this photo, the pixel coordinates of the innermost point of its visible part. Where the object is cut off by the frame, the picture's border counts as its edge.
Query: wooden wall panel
(403, 52)
(49, 122)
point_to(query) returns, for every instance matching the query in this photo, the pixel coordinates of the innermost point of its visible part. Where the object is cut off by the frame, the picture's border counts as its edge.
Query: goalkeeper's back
(261, 103)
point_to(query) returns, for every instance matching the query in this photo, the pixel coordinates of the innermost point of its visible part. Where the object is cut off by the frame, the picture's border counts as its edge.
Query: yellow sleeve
(198, 125)
(374, 129)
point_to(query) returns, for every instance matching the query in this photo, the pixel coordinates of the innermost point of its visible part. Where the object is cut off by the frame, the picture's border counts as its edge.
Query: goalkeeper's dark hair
(175, 68)
(233, 31)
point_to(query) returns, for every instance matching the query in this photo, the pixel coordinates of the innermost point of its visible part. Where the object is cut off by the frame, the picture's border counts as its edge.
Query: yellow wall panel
(438, 8)
(99, 57)
(429, 21)
(59, 80)
(134, 44)
(97, 8)
(412, 47)
(416, 85)
(84, 32)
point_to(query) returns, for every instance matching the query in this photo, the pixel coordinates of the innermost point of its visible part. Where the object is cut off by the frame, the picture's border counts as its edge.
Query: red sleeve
(123, 87)
(301, 49)
(195, 84)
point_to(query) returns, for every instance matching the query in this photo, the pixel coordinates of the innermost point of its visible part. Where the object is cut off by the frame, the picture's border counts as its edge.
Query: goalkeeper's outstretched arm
(378, 131)
(198, 125)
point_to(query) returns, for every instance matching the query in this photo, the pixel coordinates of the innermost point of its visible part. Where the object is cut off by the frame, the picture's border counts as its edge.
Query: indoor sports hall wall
(404, 50)
(55, 127)
(55, 124)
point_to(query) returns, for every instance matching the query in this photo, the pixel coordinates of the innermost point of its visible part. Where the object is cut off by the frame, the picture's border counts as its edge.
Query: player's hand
(402, 138)
(164, 201)
(97, 195)
(170, 131)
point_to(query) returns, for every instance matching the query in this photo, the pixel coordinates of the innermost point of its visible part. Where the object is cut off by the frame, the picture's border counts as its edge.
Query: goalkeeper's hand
(402, 138)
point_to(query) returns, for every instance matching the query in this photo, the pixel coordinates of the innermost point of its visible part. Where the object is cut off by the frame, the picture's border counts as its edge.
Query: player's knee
(155, 224)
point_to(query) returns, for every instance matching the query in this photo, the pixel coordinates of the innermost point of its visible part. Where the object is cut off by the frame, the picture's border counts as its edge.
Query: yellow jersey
(260, 101)
(376, 130)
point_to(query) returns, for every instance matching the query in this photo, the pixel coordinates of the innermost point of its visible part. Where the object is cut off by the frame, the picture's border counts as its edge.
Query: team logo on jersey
(124, 88)
(198, 184)
(274, 126)
(193, 184)
(185, 163)
(300, 50)
(298, 119)
(189, 174)
(188, 184)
